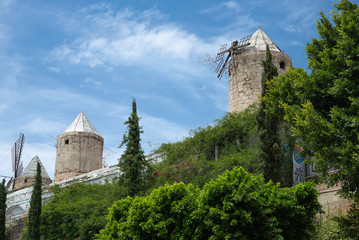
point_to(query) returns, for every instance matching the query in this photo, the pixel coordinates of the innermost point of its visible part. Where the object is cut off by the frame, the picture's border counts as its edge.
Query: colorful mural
(298, 166)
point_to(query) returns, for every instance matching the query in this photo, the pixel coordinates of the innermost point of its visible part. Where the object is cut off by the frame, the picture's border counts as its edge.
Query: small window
(25, 181)
(282, 65)
(66, 141)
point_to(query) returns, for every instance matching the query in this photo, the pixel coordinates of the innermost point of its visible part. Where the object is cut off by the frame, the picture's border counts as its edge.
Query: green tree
(164, 214)
(323, 107)
(271, 153)
(132, 162)
(2, 210)
(237, 205)
(78, 211)
(34, 218)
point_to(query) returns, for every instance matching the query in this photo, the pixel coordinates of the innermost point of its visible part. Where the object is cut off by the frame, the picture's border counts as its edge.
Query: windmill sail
(16, 151)
(225, 66)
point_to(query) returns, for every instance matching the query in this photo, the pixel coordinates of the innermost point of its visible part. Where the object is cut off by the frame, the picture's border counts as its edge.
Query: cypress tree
(33, 225)
(132, 162)
(2, 210)
(270, 152)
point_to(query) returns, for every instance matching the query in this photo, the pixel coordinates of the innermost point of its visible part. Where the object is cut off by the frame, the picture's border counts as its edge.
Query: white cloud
(94, 82)
(300, 15)
(110, 39)
(40, 125)
(54, 69)
(296, 43)
(232, 5)
(128, 38)
(222, 9)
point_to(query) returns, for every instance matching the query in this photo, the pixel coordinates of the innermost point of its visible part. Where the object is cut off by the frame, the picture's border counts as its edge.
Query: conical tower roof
(81, 124)
(259, 40)
(31, 169)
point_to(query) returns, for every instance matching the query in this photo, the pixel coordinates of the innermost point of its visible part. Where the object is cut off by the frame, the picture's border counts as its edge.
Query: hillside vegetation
(236, 205)
(190, 161)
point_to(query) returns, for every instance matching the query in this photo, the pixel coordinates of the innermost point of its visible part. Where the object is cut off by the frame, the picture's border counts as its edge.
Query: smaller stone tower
(79, 149)
(28, 176)
(245, 82)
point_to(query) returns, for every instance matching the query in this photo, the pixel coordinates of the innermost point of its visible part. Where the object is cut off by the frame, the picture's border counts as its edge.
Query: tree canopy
(237, 205)
(78, 211)
(323, 106)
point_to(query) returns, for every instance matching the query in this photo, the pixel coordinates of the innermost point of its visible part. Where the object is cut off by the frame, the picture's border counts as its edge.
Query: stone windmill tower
(28, 176)
(244, 68)
(79, 149)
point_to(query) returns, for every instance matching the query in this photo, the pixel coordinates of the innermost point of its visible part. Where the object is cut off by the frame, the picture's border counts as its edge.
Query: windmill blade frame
(229, 64)
(16, 153)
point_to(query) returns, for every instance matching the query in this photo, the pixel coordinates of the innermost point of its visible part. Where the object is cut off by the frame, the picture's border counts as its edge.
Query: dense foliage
(323, 107)
(237, 205)
(34, 218)
(78, 211)
(193, 160)
(2, 210)
(232, 133)
(132, 162)
(268, 124)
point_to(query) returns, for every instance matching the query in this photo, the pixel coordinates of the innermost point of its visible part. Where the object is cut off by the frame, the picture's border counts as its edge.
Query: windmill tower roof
(31, 169)
(81, 124)
(259, 40)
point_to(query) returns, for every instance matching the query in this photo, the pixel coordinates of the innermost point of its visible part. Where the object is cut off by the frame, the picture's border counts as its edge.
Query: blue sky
(58, 58)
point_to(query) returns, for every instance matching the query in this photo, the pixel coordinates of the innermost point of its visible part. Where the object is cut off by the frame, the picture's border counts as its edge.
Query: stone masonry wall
(245, 81)
(77, 153)
(23, 181)
(329, 198)
(16, 229)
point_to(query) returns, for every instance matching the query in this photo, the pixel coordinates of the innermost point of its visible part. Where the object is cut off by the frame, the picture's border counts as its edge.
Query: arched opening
(14, 211)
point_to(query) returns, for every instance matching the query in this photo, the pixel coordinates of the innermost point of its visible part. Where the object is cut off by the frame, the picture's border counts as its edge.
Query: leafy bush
(77, 211)
(164, 214)
(237, 205)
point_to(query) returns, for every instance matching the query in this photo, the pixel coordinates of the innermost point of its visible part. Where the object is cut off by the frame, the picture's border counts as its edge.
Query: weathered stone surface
(245, 80)
(77, 153)
(16, 230)
(332, 203)
(28, 176)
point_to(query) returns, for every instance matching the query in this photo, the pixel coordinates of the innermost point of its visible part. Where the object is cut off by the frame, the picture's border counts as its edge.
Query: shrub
(77, 211)
(164, 214)
(237, 205)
